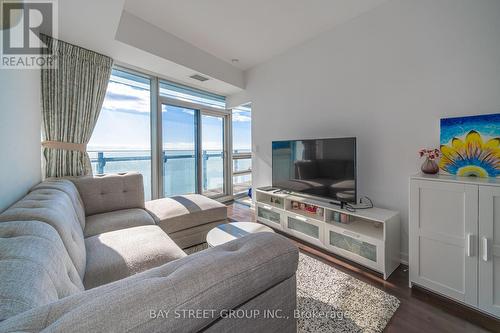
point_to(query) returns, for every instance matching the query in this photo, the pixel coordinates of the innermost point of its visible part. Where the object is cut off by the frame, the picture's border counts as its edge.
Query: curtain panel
(73, 91)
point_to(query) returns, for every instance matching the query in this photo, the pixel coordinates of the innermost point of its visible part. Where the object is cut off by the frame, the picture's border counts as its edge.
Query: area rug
(329, 300)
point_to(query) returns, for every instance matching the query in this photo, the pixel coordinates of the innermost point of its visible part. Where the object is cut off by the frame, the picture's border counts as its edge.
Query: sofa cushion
(120, 219)
(35, 268)
(217, 279)
(107, 193)
(117, 254)
(69, 188)
(185, 211)
(55, 208)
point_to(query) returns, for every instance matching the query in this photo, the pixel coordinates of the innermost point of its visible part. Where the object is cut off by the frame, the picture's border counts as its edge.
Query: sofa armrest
(186, 295)
(110, 192)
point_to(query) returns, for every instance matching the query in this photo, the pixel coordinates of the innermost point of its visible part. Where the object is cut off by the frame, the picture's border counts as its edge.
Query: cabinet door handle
(300, 218)
(267, 207)
(470, 245)
(485, 248)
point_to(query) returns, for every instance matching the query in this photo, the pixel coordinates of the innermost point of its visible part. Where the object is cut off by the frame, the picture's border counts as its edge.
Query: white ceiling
(252, 31)
(93, 24)
(175, 39)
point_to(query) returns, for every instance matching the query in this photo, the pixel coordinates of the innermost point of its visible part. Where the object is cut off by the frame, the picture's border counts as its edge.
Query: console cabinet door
(444, 238)
(489, 249)
(269, 215)
(304, 228)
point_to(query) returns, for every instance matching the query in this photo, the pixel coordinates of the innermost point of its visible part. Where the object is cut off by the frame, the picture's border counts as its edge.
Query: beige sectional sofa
(88, 254)
(117, 201)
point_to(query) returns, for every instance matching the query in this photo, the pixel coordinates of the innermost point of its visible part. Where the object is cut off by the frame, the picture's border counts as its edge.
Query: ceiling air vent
(199, 77)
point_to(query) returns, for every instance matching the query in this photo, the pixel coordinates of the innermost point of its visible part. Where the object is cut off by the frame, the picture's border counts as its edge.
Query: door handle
(470, 245)
(301, 218)
(485, 248)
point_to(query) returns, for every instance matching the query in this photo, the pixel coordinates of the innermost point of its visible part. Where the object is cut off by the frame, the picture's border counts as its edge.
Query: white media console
(370, 238)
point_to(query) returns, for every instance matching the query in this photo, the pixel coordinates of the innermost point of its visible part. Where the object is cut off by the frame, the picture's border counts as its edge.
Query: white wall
(19, 133)
(386, 77)
(238, 99)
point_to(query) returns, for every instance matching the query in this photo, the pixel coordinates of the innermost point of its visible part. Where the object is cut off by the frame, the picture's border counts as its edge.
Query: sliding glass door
(194, 149)
(180, 150)
(213, 155)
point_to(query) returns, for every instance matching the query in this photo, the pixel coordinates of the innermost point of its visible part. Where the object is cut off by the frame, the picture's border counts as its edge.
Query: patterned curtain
(73, 91)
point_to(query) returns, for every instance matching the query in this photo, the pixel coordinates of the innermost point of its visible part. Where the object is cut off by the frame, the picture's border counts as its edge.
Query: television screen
(323, 167)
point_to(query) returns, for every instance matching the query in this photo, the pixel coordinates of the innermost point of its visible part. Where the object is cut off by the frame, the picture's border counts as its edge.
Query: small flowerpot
(430, 167)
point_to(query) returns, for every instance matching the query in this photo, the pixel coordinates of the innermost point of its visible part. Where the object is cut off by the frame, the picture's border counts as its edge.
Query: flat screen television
(321, 167)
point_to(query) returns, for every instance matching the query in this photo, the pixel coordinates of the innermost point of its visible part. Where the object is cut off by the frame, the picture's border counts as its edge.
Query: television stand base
(370, 237)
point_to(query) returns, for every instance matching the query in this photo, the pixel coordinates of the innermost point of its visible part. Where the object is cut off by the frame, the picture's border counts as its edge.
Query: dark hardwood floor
(420, 311)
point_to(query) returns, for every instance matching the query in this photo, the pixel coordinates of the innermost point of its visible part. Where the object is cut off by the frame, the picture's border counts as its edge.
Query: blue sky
(124, 124)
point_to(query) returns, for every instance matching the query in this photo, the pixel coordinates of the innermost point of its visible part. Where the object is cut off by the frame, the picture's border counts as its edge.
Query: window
(121, 140)
(180, 160)
(212, 144)
(191, 95)
(242, 150)
(191, 146)
(194, 141)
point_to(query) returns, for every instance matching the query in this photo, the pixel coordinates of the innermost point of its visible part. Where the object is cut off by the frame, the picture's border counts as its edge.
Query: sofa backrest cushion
(35, 268)
(55, 208)
(66, 186)
(107, 193)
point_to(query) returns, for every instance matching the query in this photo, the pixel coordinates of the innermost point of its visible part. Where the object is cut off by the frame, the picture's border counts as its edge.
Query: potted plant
(430, 166)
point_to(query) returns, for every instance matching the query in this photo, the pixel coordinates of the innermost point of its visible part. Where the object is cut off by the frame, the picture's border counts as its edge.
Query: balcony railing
(100, 159)
(242, 173)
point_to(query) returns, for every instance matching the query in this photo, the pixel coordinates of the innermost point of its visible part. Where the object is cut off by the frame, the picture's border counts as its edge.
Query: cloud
(188, 111)
(121, 97)
(241, 116)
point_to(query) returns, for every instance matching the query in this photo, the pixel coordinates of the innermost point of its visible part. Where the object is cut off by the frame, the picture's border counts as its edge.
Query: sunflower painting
(470, 146)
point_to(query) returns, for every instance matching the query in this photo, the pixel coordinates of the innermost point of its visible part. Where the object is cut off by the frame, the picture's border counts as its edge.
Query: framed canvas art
(470, 146)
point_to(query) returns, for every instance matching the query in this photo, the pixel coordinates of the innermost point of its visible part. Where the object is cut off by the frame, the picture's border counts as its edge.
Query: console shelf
(306, 214)
(370, 237)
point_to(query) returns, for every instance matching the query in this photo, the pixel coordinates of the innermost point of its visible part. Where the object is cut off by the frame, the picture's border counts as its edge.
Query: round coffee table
(227, 232)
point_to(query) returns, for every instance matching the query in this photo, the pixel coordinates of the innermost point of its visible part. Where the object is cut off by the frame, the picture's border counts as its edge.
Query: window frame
(152, 102)
(156, 137)
(227, 144)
